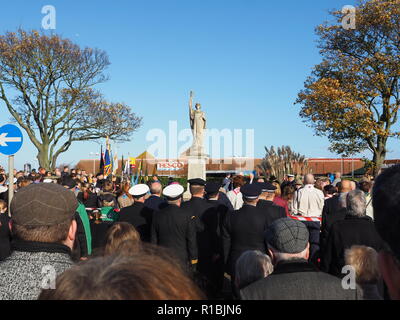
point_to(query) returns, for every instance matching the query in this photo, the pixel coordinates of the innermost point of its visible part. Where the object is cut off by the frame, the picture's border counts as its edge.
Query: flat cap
(290, 175)
(267, 187)
(43, 204)
(197, 182)
(212, 187)
(139, 190)
(173, 191)
(287, 235)
(251, 191)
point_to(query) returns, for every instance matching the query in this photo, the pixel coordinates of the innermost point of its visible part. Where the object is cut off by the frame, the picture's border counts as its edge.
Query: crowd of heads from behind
(250, 238)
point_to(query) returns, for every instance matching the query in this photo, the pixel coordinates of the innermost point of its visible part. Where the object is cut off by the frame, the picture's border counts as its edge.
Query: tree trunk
(378, 159)
(44, 158)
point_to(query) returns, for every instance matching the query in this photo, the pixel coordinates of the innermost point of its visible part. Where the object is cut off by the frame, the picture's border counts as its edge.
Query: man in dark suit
(355, 229)
(267, 205)
(197, 205)
(211, 262)
(294, 278)
(244, 229)
(155, 202)
(174, 228)
(334, 210)
(137, 214)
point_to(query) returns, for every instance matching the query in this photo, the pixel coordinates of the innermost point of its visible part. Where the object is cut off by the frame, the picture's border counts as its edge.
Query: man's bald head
(309, 178)
(156, 188)
(345, 186)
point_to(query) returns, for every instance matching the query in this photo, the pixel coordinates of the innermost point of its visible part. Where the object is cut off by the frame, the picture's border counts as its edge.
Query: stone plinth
(196, 169)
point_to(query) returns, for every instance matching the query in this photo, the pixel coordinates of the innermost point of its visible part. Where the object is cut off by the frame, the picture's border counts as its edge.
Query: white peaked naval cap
(139, 190)
(173, 191)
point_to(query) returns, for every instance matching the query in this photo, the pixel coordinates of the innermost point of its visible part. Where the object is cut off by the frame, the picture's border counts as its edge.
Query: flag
(127, 168)
(138, 173)
(107, 161)
(115, 164)
(132, 162)
(101, 169)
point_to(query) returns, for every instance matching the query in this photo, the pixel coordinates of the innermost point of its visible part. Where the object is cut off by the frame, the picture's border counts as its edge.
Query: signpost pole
(10, 181)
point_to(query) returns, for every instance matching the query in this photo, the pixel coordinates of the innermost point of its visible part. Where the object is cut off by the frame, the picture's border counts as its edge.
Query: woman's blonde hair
(278, 189)
(117, 234)
(364, 260)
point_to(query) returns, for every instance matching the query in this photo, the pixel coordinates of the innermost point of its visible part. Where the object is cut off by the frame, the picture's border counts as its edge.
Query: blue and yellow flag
(107, 162)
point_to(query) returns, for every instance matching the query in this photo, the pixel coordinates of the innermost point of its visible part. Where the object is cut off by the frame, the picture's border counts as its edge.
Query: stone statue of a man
(197, 124)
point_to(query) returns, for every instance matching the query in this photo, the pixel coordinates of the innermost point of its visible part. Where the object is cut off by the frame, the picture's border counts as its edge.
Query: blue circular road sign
(10, 139)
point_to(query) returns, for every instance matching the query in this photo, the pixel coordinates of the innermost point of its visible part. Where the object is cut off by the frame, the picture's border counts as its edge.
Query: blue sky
(246, 60)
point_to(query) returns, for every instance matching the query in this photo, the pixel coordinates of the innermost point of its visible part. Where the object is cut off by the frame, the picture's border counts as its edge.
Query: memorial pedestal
(196, 169)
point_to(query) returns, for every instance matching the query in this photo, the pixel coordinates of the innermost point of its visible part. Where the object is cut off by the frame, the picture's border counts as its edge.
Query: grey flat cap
(43, 204)
(287, 235)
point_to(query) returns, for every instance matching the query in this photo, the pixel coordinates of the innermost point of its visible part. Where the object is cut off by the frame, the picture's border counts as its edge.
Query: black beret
(197, 182)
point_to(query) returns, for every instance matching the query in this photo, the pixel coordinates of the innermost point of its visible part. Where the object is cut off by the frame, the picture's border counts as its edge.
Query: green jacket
(81, 210)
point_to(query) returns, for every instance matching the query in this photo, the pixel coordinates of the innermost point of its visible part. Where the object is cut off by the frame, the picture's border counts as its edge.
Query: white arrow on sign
(4, 139)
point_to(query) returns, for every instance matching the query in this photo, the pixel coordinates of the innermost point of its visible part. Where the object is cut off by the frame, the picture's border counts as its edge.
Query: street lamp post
(94, 161)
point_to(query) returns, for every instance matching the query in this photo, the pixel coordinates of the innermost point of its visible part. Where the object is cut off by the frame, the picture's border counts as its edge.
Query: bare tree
(47, 84)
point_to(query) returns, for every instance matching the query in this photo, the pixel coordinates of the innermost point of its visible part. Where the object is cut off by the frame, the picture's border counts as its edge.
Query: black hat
(197, 182)
(267, 187)
(212, 187)
(251, 191)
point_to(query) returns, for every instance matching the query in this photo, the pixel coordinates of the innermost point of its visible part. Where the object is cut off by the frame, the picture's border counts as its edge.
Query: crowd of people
(68, 234)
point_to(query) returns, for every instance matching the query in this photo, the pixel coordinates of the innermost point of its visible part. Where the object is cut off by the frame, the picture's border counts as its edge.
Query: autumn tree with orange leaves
(352, 96)
(48, 85)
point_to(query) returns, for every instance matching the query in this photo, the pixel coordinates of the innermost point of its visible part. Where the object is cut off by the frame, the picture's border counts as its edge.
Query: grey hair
(356, 203)
(251, 266)
(156, 188)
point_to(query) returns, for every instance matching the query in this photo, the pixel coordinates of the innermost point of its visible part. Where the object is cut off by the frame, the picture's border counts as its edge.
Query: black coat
(172, 227)
(196, 207)
(272, 211)
(140, 217)
(344, 234)
(243, 230)
(5, 236)
(209, 239)
(80, 248)
(331, 213)
(155, 203)
(298, 280)
(99, 232)
(223, 199)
